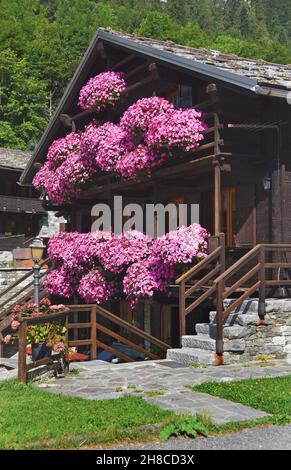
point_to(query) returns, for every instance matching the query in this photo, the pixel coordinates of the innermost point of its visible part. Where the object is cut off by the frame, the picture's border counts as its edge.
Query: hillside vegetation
(42, 42)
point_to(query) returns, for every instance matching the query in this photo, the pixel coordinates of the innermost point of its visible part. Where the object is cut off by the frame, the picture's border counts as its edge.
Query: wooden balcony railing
(255, 272)
(100, 324)
(210, 267)
(21, 204)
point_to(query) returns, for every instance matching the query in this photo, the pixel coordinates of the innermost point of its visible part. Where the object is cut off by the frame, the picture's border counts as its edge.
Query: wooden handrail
(199, 266)
(21, 299)
(95, 326)
(22, 278)
(238, 264)
(133, 329)
(217, 286)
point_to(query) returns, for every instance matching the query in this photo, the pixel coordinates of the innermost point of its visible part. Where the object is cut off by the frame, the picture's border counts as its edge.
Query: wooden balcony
(21, 204)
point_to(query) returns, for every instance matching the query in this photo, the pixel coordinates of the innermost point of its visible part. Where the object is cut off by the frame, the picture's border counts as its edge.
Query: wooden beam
(217, 199)
(123, 62)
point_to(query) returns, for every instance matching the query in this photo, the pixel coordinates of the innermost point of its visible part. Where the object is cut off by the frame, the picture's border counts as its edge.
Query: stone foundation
(244, 338)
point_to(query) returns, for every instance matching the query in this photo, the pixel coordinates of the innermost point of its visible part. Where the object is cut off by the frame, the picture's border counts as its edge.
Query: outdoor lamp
(37, 248)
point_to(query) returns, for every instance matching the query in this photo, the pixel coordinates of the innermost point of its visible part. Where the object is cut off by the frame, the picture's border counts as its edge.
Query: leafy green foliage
(43, 41)
(188, 426)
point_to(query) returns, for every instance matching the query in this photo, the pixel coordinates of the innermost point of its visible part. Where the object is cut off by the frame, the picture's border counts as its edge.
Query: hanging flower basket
(102, 91)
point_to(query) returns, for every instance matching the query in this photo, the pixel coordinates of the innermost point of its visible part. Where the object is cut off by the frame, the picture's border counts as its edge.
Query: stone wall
(51, 225)
(246, 340)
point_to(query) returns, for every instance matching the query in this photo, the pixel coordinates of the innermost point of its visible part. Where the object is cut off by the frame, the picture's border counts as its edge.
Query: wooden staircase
(256, 273)
(91, 327)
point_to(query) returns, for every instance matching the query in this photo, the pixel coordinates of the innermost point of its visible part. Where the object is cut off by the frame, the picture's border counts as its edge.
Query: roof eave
(198, 68)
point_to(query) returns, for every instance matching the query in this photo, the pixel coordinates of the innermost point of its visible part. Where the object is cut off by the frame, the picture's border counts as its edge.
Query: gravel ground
(269, 438)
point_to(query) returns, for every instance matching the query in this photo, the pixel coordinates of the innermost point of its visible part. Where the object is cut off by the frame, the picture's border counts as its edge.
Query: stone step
(229, 332)
(247, 306)
(198, 342)
(208, 344)
(190, 356)
(241, 319)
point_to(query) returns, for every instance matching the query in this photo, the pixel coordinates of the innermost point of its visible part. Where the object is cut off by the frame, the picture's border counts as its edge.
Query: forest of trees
(42, 42)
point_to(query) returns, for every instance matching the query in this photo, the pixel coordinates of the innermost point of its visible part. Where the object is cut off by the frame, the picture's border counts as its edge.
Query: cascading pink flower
(141, 266)
(183, 129)
(64, 173)
(94, 288)
(121, 250)
(137, 119)
(61, 282)
(148, 133)
(102, 90)
(136, 161)
(112, 146)
(62, 148)
(182, 246)
(144, 278)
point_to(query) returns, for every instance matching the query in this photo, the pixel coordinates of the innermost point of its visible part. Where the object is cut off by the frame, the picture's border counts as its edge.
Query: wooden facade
(21, 209)
(241, 175)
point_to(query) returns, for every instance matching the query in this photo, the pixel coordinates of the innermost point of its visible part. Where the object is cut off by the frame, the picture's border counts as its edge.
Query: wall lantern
(267, 183)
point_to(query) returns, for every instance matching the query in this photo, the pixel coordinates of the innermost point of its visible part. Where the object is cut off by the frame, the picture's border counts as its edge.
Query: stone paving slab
(165, 386)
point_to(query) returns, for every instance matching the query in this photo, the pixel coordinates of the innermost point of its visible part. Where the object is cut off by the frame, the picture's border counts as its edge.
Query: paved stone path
(165, 384)
(270, 438)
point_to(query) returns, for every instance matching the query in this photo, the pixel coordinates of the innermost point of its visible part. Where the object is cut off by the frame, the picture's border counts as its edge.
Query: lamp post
(37, 247)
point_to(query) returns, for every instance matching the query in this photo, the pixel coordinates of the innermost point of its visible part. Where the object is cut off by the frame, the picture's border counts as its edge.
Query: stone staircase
(11, 293)
(244, 338)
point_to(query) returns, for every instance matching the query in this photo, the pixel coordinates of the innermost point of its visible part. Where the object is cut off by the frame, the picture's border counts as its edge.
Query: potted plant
(43, 338)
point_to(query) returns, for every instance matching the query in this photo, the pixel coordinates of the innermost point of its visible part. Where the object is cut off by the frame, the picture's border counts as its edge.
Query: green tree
(159, 25)
(23, 104)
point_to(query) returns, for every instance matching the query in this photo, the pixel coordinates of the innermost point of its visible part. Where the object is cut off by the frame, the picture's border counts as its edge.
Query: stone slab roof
(13, 158)
(266, 73)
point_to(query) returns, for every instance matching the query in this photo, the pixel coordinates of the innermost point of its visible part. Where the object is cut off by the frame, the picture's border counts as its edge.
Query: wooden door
(245, 215)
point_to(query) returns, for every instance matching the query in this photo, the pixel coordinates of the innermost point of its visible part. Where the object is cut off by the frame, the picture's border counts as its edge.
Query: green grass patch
(272, 395)
(32, 418)
(155, 393)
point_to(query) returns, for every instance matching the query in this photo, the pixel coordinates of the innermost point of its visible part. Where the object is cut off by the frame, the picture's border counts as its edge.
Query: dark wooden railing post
(93, 332)
(22, 372)
(219, 322)
(262, 288)
(222, 254)
(182, 308)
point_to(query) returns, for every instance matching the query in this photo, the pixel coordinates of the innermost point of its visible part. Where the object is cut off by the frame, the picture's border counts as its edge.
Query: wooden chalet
(21, 209)
(240, 176)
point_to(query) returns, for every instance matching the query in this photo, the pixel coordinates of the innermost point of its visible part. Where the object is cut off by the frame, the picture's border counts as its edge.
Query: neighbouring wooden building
(241, 174)
(21, 210)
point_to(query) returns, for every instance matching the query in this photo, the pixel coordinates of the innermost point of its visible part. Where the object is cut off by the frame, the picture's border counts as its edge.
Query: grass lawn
(272, 395)
(31, 418)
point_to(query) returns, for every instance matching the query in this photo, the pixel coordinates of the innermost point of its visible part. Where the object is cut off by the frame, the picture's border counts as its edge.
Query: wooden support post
(22, 373)
(262, 288)
(222, 255)
(217, 199)
(182, 313)
(1, 346)
(93, 332)
(219, 323)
